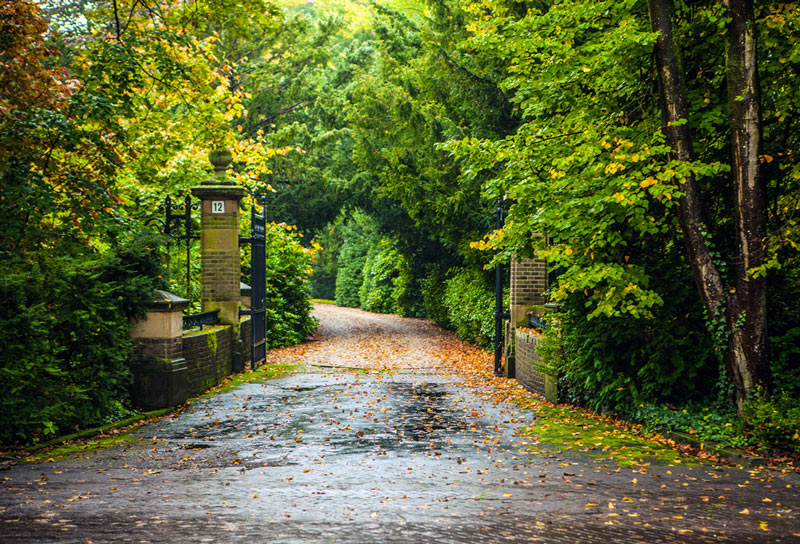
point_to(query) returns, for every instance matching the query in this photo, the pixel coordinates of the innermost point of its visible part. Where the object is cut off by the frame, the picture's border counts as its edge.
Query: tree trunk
(743, 312)
(674, 110)
(747, 354)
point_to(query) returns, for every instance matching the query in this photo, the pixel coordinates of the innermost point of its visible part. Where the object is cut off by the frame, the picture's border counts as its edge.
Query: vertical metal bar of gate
(258, 279)
(499, 315)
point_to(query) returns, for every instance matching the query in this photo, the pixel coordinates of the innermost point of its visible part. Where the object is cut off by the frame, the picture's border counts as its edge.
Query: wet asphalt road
(334, 455)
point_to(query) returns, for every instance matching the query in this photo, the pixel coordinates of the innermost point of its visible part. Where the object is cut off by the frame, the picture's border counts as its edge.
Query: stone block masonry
(219, 240)
(528, 284)
(208, 357)
(244, 336)
(528, 366)
(169, 365)
(167, 371)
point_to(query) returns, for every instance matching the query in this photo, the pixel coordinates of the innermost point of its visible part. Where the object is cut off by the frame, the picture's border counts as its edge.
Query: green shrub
(551, 347)
(785, 362)
(349, 275)
(717, 424)
(387, 280)
(288, 273)
(772, 422)
(765, 423)
(64, 328)
(432, 288)
(328, 243)
(618, 362)
(359, 233)
(469, 299)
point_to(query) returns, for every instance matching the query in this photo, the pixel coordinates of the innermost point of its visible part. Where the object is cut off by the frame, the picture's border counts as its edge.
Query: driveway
(390, 430)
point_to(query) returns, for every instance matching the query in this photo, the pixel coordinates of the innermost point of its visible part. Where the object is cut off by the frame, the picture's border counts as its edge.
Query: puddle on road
(350, 444)
(312, 416)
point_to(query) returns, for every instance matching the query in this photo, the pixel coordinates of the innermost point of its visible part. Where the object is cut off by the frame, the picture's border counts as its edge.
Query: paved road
(404, 454)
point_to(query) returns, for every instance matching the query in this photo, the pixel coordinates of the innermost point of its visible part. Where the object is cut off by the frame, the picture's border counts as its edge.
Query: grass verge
(603, 439)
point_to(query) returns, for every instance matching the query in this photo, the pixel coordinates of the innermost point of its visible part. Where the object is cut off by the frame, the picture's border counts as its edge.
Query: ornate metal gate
(258, 281)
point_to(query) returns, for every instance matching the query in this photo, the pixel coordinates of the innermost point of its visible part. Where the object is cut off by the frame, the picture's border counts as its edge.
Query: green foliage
(551, 346)
(289, 272)
(469, 298)
(55, 139)
(766, 423)
(386, 283)
(329, 244)
(772, 421)
(784, 329)
(616, 363)
(421, 92)
(359, 233)
(432, 288)
(594, 190)
(349, 275)
(785, 350)
(716, 424)
(64, 327)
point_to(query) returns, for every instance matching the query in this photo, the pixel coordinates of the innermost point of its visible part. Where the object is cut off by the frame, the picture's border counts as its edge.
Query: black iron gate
(258, 283)
(177, 227)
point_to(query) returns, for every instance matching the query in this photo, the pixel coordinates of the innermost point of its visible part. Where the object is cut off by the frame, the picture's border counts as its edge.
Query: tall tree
(743, 308)
(748, 318)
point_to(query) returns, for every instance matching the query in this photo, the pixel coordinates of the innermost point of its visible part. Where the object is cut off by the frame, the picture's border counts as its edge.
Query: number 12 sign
(217, 206)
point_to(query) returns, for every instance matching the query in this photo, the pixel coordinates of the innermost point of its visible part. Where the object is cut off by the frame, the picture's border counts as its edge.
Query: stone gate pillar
(219, 240)
(528, 284)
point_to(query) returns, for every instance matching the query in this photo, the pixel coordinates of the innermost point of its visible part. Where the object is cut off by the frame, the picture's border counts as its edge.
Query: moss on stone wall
(212, 342)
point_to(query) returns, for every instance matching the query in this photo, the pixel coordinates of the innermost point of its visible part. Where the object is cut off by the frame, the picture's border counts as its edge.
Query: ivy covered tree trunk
(747, 353)
(741, 312)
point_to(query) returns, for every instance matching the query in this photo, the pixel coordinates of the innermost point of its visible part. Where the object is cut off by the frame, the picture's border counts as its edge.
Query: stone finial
(220, 158)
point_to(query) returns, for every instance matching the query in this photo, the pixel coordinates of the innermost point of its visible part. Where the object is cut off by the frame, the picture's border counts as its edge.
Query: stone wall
(208, 355)
(528, 371)
(528, 283)
(155, 348)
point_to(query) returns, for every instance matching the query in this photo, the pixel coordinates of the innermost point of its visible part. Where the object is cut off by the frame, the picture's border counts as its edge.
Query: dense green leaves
(64, 327)
(288, 287)
(469, 300)
(594, 190)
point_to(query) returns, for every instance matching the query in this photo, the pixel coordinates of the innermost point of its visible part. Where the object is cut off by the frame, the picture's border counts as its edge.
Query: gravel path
(353, 338)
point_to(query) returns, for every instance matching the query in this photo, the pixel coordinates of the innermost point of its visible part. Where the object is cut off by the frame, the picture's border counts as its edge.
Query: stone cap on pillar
(164, 317)
(219, 186)
(165, 301)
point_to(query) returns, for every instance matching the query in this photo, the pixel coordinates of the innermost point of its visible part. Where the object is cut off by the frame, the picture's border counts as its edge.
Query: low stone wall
(528, 371)
(208, 357)
(169, 370)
